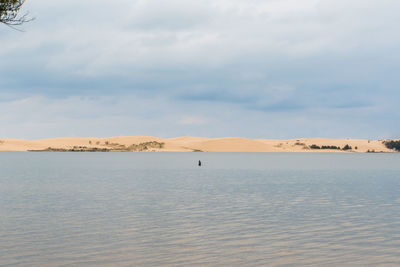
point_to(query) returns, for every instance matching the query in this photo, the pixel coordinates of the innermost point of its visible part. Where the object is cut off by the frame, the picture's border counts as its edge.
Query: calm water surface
(161, 209)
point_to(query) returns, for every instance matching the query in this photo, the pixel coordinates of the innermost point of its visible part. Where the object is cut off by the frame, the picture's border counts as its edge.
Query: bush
(145, 146)
(392, 144)
(346, 147)
(323, 147)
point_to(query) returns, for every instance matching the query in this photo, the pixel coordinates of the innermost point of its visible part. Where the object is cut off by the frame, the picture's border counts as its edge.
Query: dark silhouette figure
(199, 163)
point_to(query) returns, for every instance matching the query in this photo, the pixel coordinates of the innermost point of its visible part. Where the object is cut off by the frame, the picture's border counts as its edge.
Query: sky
(273, 69)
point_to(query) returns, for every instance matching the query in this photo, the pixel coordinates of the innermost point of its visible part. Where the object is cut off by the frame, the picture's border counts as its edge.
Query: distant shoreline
(198, 144)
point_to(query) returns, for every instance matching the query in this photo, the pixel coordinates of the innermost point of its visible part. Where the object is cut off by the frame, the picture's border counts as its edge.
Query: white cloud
(100, 35)
(141, 66)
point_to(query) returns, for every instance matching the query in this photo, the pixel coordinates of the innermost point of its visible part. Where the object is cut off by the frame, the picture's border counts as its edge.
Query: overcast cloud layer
(251, 68)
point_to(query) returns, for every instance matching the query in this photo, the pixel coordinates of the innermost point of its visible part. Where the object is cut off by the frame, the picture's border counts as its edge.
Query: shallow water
(161, 209)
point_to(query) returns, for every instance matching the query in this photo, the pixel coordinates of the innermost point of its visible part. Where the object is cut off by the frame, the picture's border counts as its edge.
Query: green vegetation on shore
(392, 144)
(323, 147)
(110, 147)
(345, 148)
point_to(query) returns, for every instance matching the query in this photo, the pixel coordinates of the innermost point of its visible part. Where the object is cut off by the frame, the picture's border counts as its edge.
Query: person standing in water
(199, 163)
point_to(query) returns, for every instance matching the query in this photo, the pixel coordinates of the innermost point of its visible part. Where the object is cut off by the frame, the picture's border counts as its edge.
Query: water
(161, 209)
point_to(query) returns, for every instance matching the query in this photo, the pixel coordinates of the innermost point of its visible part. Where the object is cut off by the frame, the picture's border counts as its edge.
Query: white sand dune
(187, 143)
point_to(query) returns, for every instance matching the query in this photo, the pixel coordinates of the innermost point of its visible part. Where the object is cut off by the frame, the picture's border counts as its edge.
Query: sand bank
(191, 144)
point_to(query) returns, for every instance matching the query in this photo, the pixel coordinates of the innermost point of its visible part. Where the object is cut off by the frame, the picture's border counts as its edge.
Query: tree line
(346, 147)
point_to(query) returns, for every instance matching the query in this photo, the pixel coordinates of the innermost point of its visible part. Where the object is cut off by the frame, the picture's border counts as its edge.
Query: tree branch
(9, 13)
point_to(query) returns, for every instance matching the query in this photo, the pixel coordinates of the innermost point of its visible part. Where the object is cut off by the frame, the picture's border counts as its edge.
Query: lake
(237, 209)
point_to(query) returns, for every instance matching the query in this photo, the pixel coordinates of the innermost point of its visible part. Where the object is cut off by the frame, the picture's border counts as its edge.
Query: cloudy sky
(249, 68)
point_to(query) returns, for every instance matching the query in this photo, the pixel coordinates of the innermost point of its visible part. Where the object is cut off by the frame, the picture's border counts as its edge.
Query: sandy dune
(188, 144)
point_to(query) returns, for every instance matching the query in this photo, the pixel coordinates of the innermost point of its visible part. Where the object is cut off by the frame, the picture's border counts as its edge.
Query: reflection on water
(152, 209)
